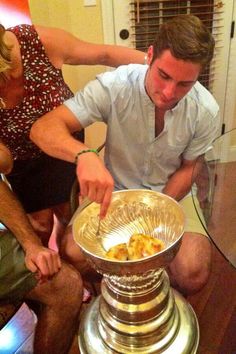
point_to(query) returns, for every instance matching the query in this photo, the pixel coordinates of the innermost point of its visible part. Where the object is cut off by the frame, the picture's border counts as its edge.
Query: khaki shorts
(193, 223)
(15, 279)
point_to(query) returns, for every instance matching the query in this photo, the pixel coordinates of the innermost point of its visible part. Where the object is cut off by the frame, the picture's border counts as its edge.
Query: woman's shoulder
(24, 32)
(31, 46)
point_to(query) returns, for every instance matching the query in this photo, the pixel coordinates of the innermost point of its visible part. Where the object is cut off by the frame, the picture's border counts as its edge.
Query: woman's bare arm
(64, 48)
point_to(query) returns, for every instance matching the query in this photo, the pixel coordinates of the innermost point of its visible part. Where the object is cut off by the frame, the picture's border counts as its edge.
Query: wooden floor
(215, 307)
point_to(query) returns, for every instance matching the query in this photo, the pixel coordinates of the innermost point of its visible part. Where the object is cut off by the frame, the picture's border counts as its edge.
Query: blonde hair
(5, 53)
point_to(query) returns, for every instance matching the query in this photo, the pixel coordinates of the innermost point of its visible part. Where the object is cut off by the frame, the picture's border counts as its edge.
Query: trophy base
(185, 341)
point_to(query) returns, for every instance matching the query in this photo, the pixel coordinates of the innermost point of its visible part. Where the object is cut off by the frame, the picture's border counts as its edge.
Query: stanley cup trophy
(137, 311)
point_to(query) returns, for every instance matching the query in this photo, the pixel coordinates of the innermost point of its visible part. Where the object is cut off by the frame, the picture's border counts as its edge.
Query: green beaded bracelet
(83, 152)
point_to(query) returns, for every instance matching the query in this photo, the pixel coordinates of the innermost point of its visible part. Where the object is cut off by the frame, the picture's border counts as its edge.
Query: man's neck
(159, 120)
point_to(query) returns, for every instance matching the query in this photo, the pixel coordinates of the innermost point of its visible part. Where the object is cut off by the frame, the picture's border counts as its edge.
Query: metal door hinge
(223, 129)
(232, 29)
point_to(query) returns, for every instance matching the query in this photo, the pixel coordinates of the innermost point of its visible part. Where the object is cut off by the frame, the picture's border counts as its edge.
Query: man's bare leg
(190, 269)
(61, 299)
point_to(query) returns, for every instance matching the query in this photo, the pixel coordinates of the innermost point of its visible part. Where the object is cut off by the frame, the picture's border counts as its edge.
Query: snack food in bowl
(138, 247)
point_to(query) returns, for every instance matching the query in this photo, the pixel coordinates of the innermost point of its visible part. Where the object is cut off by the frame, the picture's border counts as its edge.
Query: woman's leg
(42, 222)
(61, 218)
(51, 223)
(72, 253)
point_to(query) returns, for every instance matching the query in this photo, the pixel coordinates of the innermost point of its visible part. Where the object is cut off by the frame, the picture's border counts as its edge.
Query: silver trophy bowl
(137, 311)
(131, 211)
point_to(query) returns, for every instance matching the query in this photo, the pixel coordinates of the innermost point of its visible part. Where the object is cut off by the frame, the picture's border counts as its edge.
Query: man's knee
(190, 270)
(62, 293)
(68, 286)
(193, 280)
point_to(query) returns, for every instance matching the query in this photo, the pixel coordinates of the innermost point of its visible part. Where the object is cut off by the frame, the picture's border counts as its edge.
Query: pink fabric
(86, 295)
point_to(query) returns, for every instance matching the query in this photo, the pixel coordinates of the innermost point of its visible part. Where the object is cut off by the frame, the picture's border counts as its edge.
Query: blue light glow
(6, 338)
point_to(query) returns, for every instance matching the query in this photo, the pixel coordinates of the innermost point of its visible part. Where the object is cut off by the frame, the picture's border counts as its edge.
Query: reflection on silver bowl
(131, 211)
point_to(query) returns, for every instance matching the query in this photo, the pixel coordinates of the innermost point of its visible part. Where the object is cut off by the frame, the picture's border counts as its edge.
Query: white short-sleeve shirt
(133, 155)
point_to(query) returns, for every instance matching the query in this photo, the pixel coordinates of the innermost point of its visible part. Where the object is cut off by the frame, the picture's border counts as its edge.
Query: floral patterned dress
(38, 180)
(44, 88)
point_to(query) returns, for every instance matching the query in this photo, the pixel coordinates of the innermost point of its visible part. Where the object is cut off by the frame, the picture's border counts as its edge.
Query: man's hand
(95, 181)
(43, 261)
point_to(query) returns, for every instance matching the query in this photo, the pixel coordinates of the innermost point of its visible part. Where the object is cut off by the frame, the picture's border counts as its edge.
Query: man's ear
(149, 54)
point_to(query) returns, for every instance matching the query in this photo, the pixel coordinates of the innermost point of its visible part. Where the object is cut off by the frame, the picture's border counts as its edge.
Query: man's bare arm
(53, 134)
(179, 184)
(38, 259)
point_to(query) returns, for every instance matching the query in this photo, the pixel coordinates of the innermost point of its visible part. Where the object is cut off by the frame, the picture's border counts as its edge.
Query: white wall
(85, 23)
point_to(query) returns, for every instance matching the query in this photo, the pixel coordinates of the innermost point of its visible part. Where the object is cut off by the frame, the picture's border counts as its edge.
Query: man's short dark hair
(187, 38)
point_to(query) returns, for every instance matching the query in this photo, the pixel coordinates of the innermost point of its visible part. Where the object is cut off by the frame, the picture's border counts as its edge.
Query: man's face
(169, 79)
